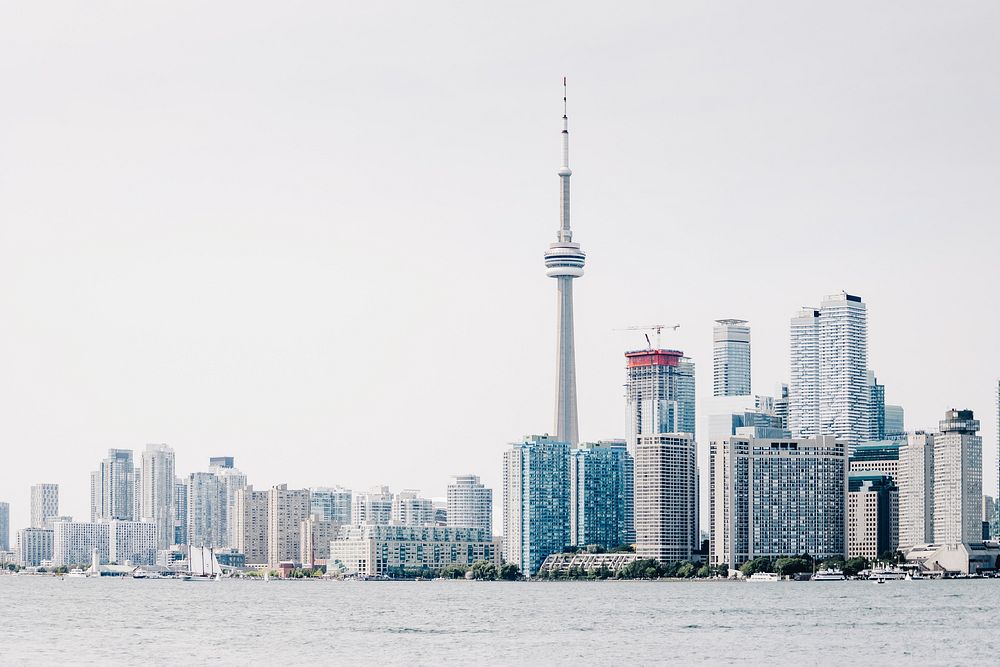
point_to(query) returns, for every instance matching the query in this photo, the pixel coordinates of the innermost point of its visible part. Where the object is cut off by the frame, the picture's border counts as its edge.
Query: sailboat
(202, 565)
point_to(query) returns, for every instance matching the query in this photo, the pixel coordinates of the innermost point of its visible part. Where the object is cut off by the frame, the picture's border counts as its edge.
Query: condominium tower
(564, 262)
(286, 509)
(731, 358)
(206, 498)
(4, 527)
(829, 392)
(112, 493)
(373, 507)
(251, 525)
(157, 496)
(409, 508)
(601, 494)
(958, 479)
(666, 496)
(44, 504)
(777, 497)
(916, 490)
(536, 501)
(470, 504)
(331, 504)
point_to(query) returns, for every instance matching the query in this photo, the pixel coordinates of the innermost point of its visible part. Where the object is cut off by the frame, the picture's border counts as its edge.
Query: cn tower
(564, 262)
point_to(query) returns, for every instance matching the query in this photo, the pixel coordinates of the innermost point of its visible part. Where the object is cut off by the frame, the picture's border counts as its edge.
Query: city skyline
(194, 321)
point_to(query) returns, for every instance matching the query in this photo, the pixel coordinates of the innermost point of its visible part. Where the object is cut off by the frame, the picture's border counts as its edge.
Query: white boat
(887, 574)
(829, 574)
(76, 573)
(764, 576)
(202, 565)
(914, 575)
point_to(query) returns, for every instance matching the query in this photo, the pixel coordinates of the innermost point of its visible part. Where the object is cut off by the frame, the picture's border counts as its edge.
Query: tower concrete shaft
(564, 262)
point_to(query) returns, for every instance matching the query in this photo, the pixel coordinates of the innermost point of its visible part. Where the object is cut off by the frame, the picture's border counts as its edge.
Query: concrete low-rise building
(953, 559)
(586, 562)
(372, 550)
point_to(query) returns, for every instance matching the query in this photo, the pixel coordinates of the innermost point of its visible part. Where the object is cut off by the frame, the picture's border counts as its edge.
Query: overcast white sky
(310, 234)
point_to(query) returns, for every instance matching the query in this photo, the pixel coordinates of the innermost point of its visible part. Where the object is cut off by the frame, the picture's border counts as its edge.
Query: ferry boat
(76, 573)
(829, 574)
(887, 574)
(764, 576)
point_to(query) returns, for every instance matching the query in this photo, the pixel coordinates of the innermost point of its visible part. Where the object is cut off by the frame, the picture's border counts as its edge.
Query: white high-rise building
(829, 392)
(409, 509)
(231, 480)
(74, 542)
(373, 507)
(157, 491)
(666, 496)
(34, 545)
(206, 499)
(916, 490)
(332, 504)
(251, 524)
(731, 358)
(564, 262)
(776, 497)
(132, 542)
(44, 504)
(286, 509)
(470, 504)
(958, 479)
(113, 485)
(180, 511)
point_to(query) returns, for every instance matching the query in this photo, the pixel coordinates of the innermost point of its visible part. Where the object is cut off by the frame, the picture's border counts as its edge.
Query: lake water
(118, 621)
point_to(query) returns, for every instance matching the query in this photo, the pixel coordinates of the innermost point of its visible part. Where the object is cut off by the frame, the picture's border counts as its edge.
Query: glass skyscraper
(536, 501)
(731, 358)
(829, 392)
(601, 494)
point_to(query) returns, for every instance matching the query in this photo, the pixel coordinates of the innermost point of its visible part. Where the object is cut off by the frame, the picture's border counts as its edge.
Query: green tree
(484, 571)
(854, 565)
(759, 564)
(685, 570)
(704, 572)
(510, 572)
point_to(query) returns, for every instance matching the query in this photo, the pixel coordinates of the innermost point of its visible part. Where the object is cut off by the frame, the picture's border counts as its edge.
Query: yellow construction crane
(658, 328)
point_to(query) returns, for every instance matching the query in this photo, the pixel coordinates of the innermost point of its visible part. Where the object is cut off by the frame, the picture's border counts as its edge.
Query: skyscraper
(601, 494)
(157, 484)
(4, 527)
(252, 524)
(536, 501)
(180, 511)
(44, 504)
(470, 504)
(829, 392)
(286, 509)
(112, 495)
(872, 528)
(775, 497)
(659, 394)
(666, 496)
(731, 358)
(895, 429)
(916, 490)
(231, 480)
(206, 497)
(958, 479)
(564, 262)
(876, 409)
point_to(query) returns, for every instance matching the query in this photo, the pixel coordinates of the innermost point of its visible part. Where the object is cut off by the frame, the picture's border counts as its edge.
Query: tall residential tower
(564, 262)
(731, 358)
